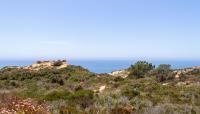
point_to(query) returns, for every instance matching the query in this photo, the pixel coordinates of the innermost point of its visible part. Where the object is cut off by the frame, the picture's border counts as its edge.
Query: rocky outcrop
(185, 71)
(120, 73)
(47, 64)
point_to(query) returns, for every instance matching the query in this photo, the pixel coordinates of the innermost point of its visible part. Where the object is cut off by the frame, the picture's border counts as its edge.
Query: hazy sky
(100, 29)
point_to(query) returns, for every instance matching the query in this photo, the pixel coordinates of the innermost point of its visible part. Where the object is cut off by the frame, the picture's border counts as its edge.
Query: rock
(102, 88)
(120, 73)
(47, 64)
(165, 84)
(185, 71)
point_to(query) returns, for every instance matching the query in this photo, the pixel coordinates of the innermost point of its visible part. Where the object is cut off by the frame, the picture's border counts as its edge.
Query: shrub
(164, 72)
(118, 79)
(84, 98)
(139, 69)
(195, 72)
(61, 82)
(78, 88)
(57, 79)
(121, 110)
(13, 84)
(69, 110)
(38, 62)
(57, 95)
(58, 63)
(77, 79)
(31, 90)
(130, 92)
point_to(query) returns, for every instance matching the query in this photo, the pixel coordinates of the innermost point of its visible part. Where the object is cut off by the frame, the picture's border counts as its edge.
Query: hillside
(55, 87)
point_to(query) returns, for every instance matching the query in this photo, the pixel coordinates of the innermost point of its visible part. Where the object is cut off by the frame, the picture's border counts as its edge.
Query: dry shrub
(11, 104)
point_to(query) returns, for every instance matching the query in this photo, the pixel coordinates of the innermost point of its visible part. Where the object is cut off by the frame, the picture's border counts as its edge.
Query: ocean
(106, 66)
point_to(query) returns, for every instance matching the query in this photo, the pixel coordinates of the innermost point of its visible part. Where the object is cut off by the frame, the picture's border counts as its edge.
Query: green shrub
(139, 69)
(130, 92)
(57, 80)
(118, 79)
(77, 79)
(164, 72)
(84, 98)
(57, 95)
(32, 91)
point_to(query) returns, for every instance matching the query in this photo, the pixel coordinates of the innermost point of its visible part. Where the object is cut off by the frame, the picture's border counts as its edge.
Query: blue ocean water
(106, 66)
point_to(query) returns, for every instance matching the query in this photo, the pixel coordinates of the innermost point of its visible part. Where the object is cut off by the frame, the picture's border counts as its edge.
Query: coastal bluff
(178, 72)
(58, 64)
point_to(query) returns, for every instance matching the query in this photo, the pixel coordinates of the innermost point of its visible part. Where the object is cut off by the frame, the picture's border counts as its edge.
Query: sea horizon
(107, 66)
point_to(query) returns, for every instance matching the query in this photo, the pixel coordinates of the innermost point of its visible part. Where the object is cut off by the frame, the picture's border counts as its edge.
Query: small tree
(58, 63)
(140, 69)
(164, 72)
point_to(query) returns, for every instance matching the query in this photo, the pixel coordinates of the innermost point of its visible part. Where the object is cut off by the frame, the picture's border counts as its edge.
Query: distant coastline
(106, 66)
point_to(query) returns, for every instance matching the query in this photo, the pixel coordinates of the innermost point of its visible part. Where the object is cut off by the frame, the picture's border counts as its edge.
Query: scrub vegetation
(76, 90)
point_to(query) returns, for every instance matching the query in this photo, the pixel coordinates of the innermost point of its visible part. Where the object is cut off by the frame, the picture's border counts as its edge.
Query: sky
(100, 29)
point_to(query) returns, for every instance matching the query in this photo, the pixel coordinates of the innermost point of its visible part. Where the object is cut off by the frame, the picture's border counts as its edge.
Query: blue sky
(100, 29)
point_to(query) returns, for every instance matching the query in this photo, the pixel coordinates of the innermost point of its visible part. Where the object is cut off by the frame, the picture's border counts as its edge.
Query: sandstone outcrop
(185, 71)
(120, 73)
(47, 64)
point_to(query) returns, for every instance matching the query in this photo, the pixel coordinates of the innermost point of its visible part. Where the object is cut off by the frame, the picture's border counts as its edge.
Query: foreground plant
(23, 106)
